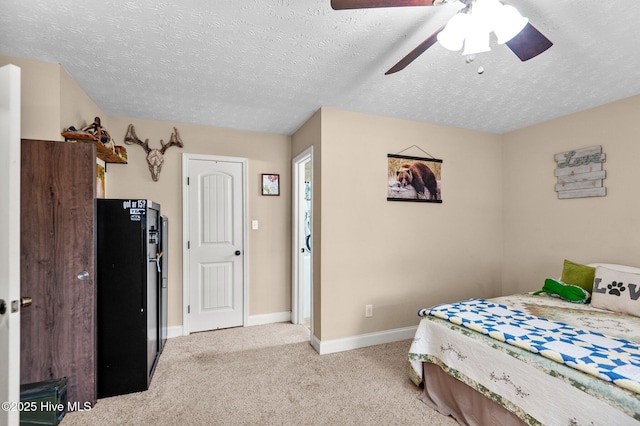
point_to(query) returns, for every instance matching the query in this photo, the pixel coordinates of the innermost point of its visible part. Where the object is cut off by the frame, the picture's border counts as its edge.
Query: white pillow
(617, 289)
(616, 267)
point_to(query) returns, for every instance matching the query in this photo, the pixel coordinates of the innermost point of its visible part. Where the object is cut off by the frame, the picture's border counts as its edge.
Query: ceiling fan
(470, 28)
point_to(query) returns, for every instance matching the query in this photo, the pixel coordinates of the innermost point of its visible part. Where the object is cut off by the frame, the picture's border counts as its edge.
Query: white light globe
(454, 33)
(509, 24)
(476, 42)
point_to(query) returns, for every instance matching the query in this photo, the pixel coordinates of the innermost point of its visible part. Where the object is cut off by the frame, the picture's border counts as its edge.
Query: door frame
(186, 284)
(10, 86)
(296, 284)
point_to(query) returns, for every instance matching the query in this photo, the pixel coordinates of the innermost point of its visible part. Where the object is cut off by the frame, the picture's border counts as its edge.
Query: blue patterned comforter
(546, 360)
(609, 358)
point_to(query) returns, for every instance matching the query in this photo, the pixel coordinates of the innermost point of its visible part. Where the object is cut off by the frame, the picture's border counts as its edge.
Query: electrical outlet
(368, 311)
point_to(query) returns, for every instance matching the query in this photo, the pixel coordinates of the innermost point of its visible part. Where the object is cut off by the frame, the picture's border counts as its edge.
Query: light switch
(254, 224)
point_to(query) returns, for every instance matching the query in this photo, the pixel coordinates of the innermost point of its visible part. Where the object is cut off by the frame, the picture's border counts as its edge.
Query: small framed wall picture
(270, 184)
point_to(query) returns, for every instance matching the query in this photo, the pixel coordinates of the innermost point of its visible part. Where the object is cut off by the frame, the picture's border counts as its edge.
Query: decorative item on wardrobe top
(155, 157)
(94, 133)
(414, 178)
(580, 173)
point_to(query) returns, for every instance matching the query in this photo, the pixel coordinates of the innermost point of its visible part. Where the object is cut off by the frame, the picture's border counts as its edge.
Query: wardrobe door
(57, 255)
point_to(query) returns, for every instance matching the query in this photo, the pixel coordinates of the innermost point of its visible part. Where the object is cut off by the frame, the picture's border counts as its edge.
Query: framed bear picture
(413, 179)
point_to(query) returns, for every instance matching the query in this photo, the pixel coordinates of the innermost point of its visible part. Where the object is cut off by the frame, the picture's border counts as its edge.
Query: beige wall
(76, 108)
(269, 246)
(51, 100)
(402, 256)
(540, 230)
(40, 98)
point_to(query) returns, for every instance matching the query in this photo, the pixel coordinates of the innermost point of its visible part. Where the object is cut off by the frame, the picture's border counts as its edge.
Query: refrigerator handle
(157, 260)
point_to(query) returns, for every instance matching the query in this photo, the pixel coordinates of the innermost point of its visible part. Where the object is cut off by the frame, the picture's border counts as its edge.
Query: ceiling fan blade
(529, 43)
(411, 56)
(364, 4)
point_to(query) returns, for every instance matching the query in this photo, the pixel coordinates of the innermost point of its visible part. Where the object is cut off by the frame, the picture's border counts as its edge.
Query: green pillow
(577, 274)
(571, 293)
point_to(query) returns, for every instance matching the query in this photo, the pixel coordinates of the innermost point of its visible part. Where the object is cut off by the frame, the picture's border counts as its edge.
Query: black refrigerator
(129, 270)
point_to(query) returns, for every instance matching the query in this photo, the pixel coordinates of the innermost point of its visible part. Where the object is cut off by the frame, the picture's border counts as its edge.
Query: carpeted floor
(269, 375)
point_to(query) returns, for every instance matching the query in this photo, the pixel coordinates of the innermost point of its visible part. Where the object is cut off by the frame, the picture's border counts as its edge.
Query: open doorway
(302, 291)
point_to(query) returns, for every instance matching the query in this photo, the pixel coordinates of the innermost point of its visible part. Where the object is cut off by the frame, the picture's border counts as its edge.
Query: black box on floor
(43, 403)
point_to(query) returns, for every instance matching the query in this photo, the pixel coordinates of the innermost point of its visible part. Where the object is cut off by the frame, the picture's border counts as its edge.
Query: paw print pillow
(616, 291)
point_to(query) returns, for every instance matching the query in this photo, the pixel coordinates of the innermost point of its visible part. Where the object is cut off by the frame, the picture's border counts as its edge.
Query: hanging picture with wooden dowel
(580, 173)
(413, 179)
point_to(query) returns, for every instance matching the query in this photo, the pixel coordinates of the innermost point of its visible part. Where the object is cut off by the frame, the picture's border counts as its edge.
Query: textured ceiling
(268, 65)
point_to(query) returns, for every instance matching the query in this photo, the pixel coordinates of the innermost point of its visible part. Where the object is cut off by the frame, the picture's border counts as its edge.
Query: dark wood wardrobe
(57, 257)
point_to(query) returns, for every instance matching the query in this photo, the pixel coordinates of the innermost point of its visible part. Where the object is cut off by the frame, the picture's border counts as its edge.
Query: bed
(535, 359)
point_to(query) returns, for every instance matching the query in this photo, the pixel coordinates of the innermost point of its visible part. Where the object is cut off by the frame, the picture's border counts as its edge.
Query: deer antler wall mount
(155, 157)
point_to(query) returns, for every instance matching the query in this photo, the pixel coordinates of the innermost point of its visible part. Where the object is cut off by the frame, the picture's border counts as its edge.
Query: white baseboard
(325, 346)
(315, 343)
(268, 318)
(363, 340)
(178, 330)
(174, 331)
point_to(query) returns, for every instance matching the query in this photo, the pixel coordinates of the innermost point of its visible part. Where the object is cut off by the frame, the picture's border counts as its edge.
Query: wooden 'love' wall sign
(580, 173)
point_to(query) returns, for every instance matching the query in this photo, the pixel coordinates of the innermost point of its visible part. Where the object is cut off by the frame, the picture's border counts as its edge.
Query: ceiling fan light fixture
(486, 13)
(470, 28)
(476, 42)
(509, 23)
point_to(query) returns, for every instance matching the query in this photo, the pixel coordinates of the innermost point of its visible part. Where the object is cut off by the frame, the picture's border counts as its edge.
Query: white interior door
(216, 244)
(9, 243)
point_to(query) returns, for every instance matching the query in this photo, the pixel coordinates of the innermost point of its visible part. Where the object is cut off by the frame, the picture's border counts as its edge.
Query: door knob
(23, 302)
(238, 252)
